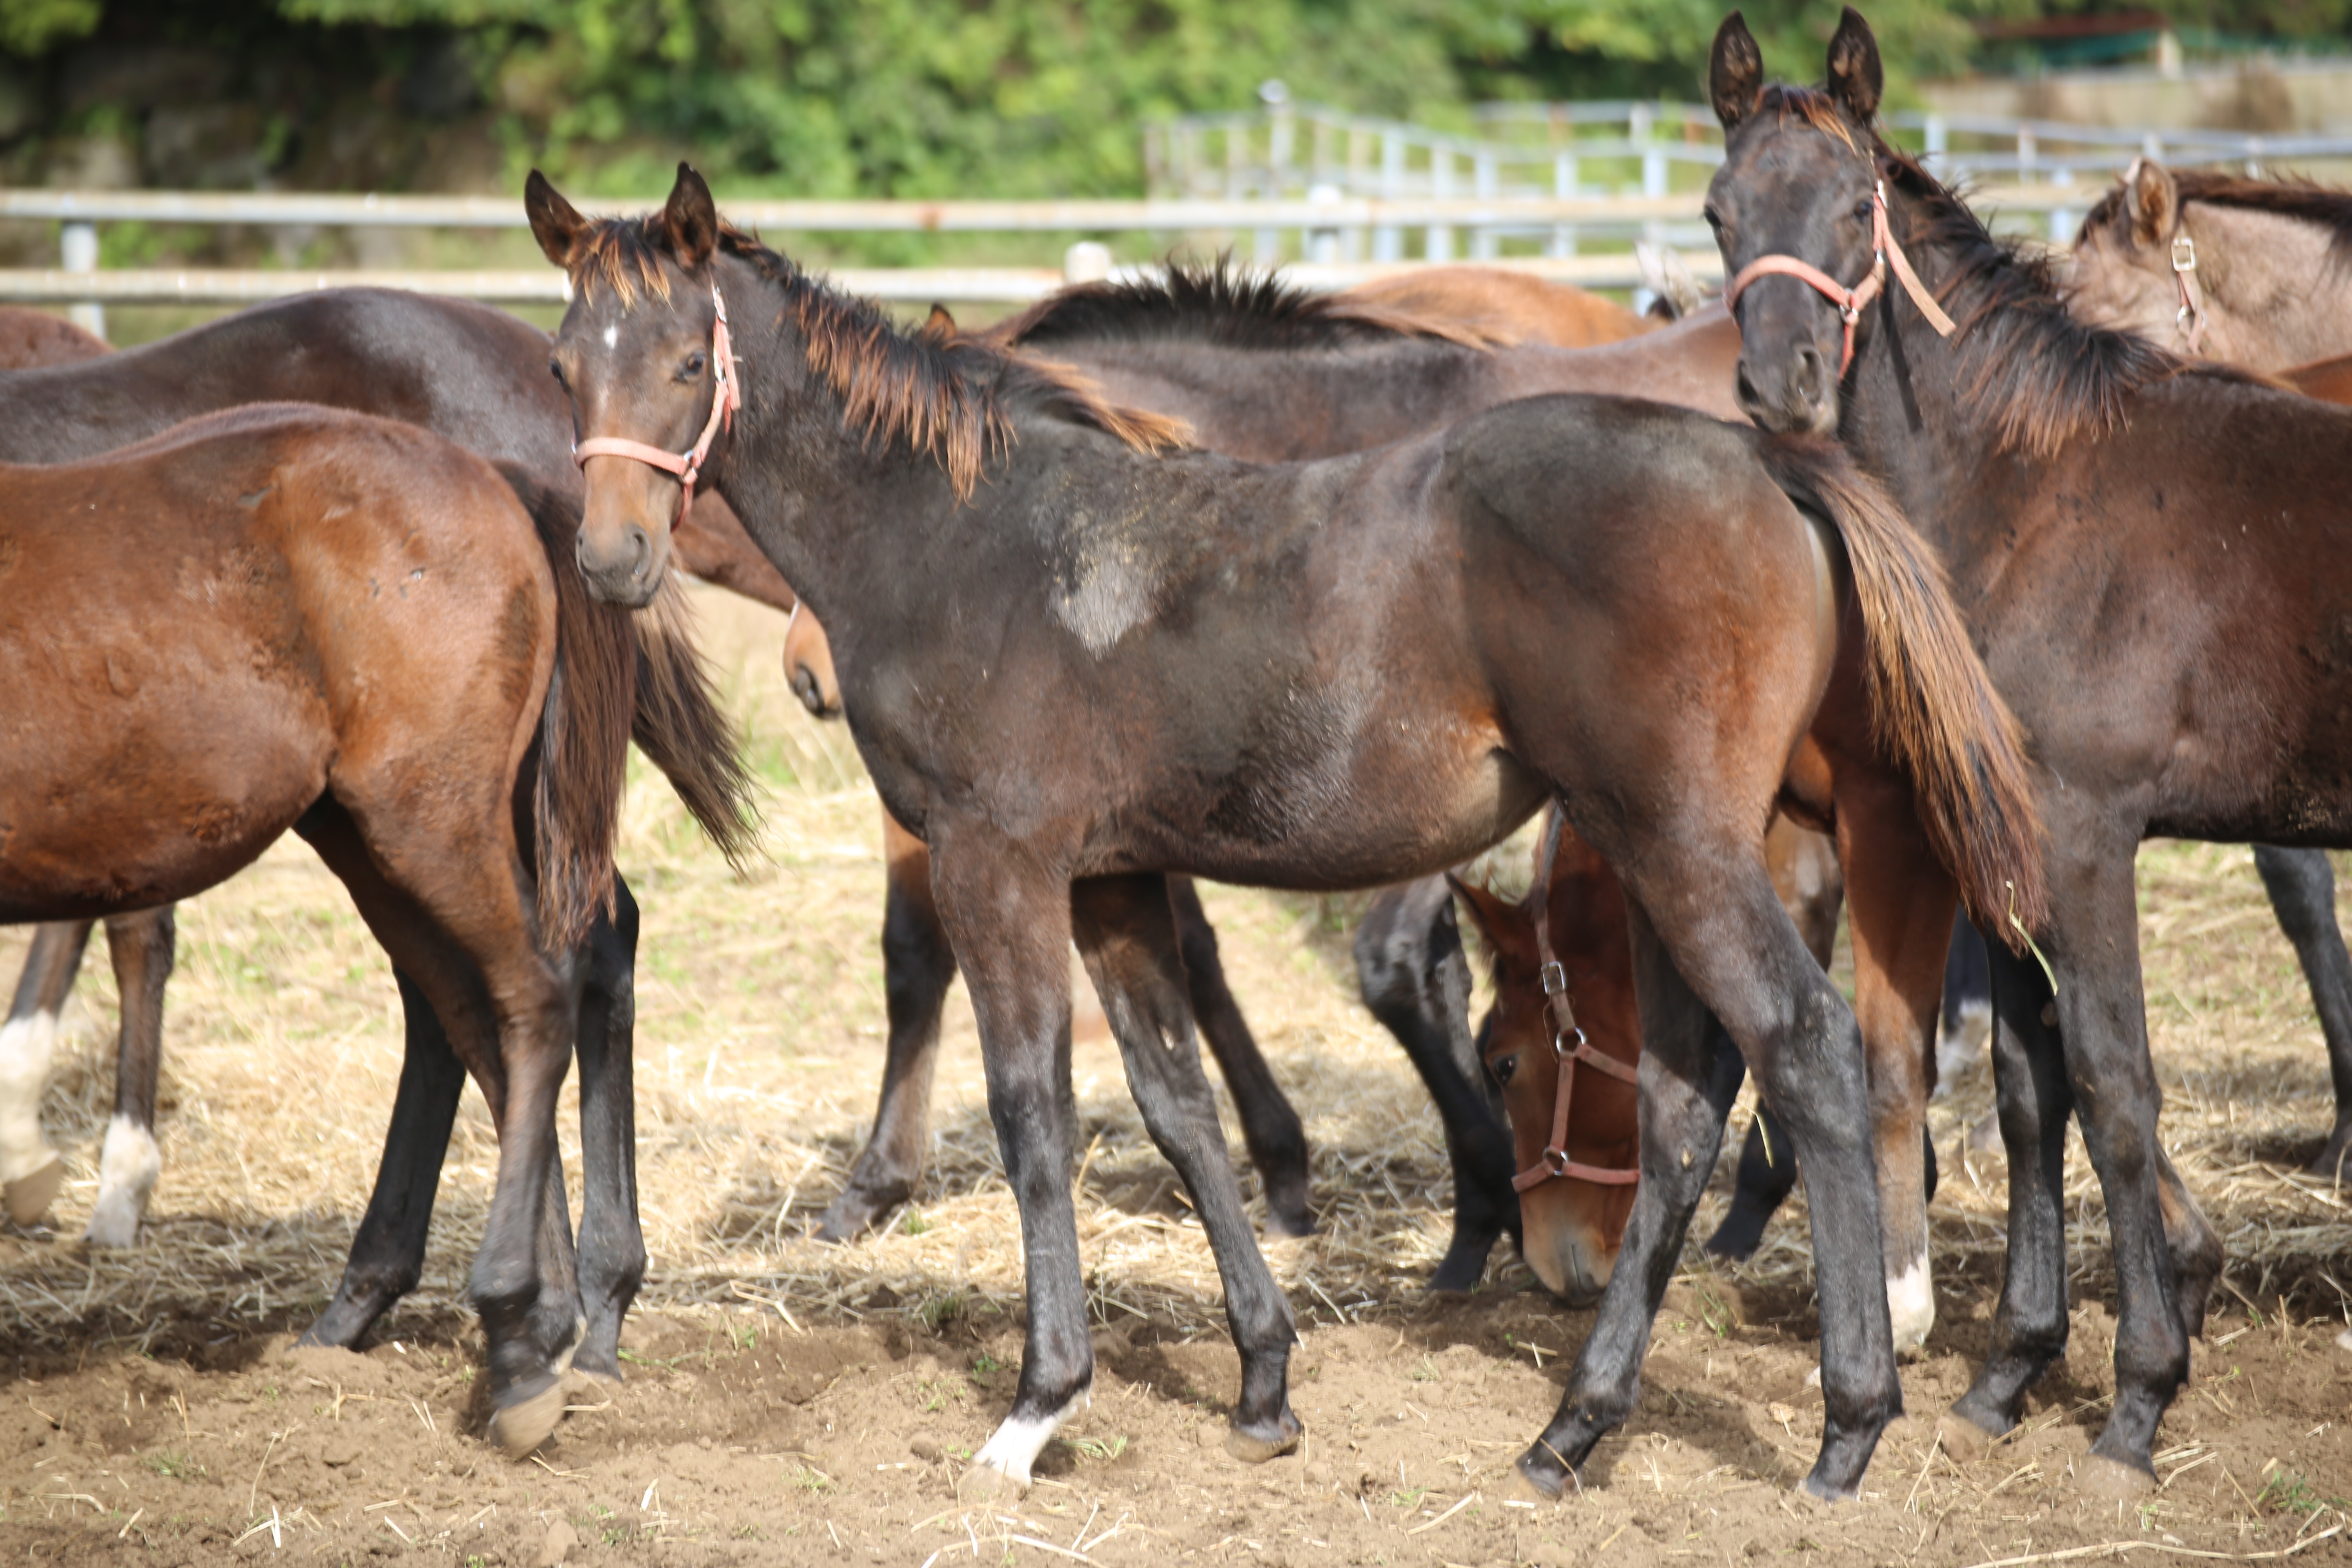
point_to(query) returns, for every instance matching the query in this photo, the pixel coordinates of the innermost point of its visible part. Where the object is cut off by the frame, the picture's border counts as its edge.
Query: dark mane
(1809, 104)
(949, 398)
(2041, 375)
(1225, 306)
(2307, 201)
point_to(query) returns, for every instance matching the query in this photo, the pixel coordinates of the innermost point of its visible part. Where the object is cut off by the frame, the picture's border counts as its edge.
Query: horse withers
(1113, 661)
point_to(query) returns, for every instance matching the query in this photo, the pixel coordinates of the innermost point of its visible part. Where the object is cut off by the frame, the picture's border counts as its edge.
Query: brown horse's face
(638, 365)
(1799, 185)
(1570, 1229)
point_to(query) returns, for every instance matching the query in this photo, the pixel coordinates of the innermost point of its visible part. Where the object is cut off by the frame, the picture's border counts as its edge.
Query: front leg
(30, 1171)
(612, 1256)
(142, 946)
(2301, 887)
(1007, 911)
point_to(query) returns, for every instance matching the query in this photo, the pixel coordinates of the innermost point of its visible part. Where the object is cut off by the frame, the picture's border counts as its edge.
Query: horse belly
(136, 786)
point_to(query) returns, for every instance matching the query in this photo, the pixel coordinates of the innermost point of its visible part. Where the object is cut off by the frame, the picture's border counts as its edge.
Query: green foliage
(32, 27)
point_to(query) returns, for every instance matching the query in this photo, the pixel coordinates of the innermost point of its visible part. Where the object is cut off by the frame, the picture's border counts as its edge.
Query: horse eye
(555, 369)
(1504, 1067)
(691, 368)
(1861, 213)
(1714, 218)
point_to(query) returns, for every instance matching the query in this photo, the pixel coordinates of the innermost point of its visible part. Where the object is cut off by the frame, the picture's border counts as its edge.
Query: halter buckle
(1554, 978)
(1569, 1044)
(2184, 255)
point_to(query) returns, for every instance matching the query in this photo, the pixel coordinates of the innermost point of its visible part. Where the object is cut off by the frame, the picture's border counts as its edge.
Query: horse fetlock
(1015, 1445)
(1911, 1304)
(1465, 1263)
(128, 1169)
(26, 1045)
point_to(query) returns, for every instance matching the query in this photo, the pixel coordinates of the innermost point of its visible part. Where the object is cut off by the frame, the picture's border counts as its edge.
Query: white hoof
(26, 1161)
(128, 1168)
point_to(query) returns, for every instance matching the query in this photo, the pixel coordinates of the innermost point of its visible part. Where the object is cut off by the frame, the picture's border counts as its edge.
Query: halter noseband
(1850, 301)
(1568, 1045)
(724, 401)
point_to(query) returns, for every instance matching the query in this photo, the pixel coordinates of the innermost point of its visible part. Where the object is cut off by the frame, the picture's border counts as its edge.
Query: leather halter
(1850, 301)
(1568, 1045)
(2190, 319)
(724, 401)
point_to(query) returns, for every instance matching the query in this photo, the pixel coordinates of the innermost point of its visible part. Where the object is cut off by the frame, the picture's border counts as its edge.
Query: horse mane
(947, 397)
(2307, 201)
(1225, 306)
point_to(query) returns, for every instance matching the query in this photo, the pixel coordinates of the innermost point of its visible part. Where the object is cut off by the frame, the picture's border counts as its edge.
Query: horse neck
(58, 414)
(2277, 293)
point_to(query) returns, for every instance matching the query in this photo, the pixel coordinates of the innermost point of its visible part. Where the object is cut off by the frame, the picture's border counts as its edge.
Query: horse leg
(388, 1251)
(1129, 940)
(1731, 951)
(1008, 913)
(2030, 1322)
(1271, 1130)
(1901, 901)
(1416, 980)
(456, 922)
(612, 1260)
(141, 948)
(917, 966)
(2301, 887)
(1811, 885)
(1966, 1020)
(30, 1171)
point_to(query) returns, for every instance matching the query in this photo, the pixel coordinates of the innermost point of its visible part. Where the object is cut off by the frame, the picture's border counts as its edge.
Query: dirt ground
(789, 1401)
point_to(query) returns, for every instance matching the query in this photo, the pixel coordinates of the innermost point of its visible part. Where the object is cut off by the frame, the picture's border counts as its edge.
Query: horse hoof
(516, 1429)
(1256, 1447)
(1821, 1492)
(1289, 1227)
(2100, 1476)
(1963, 1439)
(28, 1197)
(1519, 1488)
(981, 1483)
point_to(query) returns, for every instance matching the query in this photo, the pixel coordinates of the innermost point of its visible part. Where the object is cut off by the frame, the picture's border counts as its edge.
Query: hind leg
(1275, 1138)
(917, 966)
(1727, 947)
(612, 1263)
(1416, 980)
(30, 1171)
(1967, 1021)
(1128, 940)
(2301, 887)
(1901, 901)
(141, 948)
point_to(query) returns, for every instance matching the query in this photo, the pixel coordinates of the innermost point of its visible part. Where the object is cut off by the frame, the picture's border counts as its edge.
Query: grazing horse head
(672, 399)
(1800, 221)
(1573, 1227)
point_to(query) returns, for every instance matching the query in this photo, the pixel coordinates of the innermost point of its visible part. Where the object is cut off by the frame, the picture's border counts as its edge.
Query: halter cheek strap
(1850, 301)
(1568, 1042)
(2190, 319)
(725, 399)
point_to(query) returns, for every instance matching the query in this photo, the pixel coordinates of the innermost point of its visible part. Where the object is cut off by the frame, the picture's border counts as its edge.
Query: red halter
(724, 401)
(1850, 301)
(1568, 1042)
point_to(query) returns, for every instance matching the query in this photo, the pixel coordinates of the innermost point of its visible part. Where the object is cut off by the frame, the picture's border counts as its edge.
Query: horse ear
(2154, 202)
(1734, 71)
(1857, 77)
(1493, 916)
(556, 223)
(939, 325)
(692, 219)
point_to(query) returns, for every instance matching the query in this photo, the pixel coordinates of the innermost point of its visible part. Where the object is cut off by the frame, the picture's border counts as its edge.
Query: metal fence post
(1438, 245)
(1087, 261)
(1279, 137)
(1483, 241)
(1563, 184)
(1388, 240)
(78, 244)
(1323, 244)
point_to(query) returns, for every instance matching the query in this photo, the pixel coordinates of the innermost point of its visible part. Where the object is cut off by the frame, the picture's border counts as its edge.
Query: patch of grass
(1408, 1500)
(914, 1223)
(176, 1463)
(2289, 1491)
(814, 1482)
(983, 1364)
(940, 1308)
(1105, 1450)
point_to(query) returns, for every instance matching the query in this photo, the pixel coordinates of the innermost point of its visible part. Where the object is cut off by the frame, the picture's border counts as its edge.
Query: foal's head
(1570, 1228)
(1797, 178)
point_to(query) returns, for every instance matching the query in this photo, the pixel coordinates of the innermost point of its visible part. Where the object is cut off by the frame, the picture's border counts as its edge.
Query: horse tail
(682, 730)
(1936, 711)
(584, 733)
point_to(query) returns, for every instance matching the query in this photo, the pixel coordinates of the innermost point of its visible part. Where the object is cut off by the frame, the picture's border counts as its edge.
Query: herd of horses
(1206, 577)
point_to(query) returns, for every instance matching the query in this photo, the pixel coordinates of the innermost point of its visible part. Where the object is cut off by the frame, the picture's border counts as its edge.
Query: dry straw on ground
(759, 1034)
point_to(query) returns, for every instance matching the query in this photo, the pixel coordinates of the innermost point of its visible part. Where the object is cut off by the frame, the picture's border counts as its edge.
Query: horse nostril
(1809, 375)
(641, 550)
(1744, 390)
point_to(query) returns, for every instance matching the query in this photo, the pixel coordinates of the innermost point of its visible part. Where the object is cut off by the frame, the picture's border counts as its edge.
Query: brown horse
(35, 337)
(1107, 664)
(377, 647)
(1507, 309)
(2149, 551)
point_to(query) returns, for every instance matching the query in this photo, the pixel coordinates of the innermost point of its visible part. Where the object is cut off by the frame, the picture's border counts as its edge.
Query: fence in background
(1563, 190)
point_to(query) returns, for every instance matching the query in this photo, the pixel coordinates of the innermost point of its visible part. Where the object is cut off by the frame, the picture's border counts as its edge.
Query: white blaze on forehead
(613, 336)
